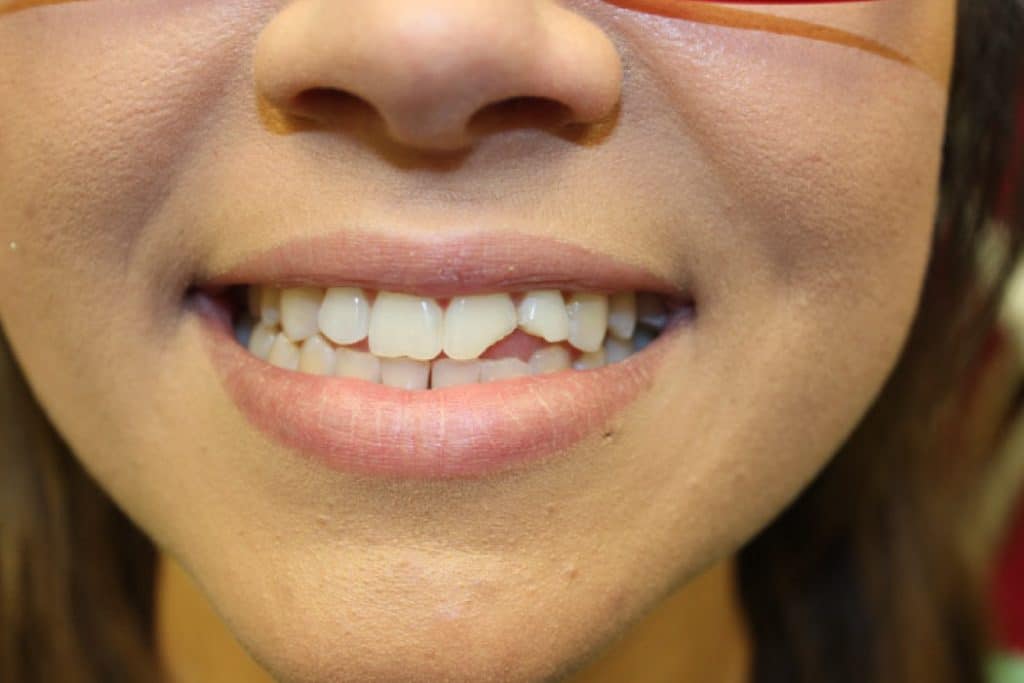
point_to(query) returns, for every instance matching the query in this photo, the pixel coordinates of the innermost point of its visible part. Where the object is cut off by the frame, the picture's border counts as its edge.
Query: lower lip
(467, 431)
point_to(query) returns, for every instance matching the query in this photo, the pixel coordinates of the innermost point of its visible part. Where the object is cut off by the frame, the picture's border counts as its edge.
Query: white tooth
(262, 340)
(300, 307)
(588, 320)
(542, 314)
(549, 359)
(589, 360)
(650, 310)
(284, 353)
(503, 368)
(357, 364)
(617, 349)
(345, 315)
(445, 372)
(317, 356)
(404, 325)
(270, 305)
(622, 314)
(474, 323)
(404, 373)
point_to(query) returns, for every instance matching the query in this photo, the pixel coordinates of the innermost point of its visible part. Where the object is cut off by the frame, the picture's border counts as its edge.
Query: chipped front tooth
(588, 320)
(284, 353)
(317, 356)
(404, 373)
(502, 368)
(542, 314)
(549, 359)
(357, 364)
(300, 307)
(650, 310)
(474, 323)
(622, 314)
(345, 315)
(445, 372)
(262, 340)
(404, 325)
(590, 360)
(270, 305)
(616, 349)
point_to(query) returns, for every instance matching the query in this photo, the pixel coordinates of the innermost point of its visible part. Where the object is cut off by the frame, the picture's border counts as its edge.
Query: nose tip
(432, 69)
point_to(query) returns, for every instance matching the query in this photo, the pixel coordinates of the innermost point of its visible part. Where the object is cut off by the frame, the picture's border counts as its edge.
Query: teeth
(590, 360)
(622, 314)
(357, 364)
(404, 373)
(261, 340)
(404, 325)
(617, 349)
(588, 320)
(300, 307)
(284, 353)
(503, 368)
(270, 305)
(445, 372)
(542, 314)
(345, 315)
(317, 356)
(474, 323)
(550, 359)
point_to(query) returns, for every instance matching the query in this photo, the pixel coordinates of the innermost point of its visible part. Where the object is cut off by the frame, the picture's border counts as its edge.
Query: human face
(783, 181)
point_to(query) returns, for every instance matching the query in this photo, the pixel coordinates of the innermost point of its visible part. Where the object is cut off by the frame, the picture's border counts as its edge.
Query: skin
(793, 180)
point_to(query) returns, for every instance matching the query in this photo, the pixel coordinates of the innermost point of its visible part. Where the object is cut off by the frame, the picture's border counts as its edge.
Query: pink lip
(465, 431)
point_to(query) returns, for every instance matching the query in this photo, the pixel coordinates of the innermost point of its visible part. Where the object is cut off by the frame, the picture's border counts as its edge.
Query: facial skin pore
(792, 181)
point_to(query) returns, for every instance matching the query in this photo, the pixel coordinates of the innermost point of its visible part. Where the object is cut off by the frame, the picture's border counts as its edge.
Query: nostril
(328, 104)
(520, 112)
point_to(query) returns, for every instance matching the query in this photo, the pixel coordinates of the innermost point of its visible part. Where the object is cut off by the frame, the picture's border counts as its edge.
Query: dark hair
(860, 579)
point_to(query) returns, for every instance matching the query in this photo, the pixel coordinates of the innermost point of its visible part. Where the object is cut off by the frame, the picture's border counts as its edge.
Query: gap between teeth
(417, 342)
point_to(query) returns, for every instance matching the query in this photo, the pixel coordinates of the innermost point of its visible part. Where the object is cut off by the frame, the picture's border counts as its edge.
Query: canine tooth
(590, 360)
(616, 349)
(542, 314)
(404, 373)
(445, 372)
(300, 307)
(284, 353)
(622, 314)
(502, 368)
(262, 340)
(473, 323)
(549, 359)
(357, 364)
(404, 325)
(270, 305)
(345, 315)
(650, 310)
(317, 356)
(588, 320)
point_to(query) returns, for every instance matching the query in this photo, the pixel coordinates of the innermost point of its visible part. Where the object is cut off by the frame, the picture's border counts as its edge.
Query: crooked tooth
(357, 364)
(445, 372)
(317, 356)
(300, 307)
(474, 323)
(542, 313)
(622, 314)
(404, 373)
(502, 368)
(590, 360)
(345, 315)
(270, 305)
(262, 340)
(588, 320)
(549, 359)
(284, 353)
(404, 325)
(616, 349)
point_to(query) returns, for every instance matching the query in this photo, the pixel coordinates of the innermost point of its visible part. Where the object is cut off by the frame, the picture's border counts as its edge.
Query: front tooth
(404, 325)
(317, 356)
(404, 373)
(270, 305)
(616, 349)
(357, 364)
(550, 359)
(622, 314)
(503, 368)
(262, 340)
(588, 320)
(542, 314)
(590, 360)
(284, 353)
(300, 307)
(445, 372)
(345, 315)
(474, 323)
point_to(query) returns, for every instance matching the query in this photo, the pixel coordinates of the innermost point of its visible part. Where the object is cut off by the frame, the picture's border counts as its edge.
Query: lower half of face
(704, 299)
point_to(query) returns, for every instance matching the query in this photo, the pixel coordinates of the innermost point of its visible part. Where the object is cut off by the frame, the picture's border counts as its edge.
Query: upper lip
(441, 265)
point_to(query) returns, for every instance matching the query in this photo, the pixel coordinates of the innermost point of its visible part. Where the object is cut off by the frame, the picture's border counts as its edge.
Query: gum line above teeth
(308, 329)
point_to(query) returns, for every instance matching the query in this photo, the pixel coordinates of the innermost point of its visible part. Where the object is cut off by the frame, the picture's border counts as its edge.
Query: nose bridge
(427, 66)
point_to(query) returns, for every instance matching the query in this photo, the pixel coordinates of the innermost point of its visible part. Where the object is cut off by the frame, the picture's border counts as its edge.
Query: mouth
(415, 358)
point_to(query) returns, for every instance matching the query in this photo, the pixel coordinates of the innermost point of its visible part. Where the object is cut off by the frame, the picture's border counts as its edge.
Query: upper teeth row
(403, 325)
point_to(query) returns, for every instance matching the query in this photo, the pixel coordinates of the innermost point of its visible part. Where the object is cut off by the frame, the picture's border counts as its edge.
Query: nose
(429, 67)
